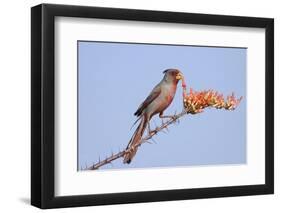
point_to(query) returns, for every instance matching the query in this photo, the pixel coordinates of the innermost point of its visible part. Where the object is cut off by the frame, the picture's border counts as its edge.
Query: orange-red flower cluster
(195, 102)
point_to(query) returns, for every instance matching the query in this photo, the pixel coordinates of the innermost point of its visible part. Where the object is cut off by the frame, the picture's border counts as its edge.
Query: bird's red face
(173, 75)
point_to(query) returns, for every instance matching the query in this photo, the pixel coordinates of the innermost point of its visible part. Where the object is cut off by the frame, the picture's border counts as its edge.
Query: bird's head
(173, 75)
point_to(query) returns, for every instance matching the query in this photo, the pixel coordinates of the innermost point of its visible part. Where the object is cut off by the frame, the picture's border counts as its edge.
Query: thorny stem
(193, 103)
(145, 139)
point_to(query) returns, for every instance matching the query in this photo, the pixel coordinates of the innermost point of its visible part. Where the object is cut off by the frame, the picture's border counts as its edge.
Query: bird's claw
(174, 117)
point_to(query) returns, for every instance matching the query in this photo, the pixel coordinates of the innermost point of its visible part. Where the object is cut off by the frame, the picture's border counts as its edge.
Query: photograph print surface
(129, 95)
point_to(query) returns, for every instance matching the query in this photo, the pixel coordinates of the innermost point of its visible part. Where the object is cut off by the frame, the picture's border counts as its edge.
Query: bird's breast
(169, 91)
(167, 94)
(163, 100)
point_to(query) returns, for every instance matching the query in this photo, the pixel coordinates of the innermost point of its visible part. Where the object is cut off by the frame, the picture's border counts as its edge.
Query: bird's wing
(152, 96)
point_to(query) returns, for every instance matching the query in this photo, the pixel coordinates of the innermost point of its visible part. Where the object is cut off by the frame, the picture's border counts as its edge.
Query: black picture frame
(43, 100)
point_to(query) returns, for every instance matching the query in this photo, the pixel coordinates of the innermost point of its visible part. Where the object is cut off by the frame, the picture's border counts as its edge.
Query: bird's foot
(174, 117)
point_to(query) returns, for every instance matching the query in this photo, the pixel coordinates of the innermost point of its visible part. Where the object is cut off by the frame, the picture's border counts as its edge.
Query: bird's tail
(136, 138)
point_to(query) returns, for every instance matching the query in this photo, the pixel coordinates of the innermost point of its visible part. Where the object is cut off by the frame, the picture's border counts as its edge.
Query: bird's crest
(165, 71)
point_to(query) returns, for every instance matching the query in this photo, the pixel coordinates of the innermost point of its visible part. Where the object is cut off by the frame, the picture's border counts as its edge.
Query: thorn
(99, 159)
(146, 141)
(153, 141)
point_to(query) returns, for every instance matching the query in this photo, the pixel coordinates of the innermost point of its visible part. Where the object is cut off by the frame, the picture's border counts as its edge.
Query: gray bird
(158, 100)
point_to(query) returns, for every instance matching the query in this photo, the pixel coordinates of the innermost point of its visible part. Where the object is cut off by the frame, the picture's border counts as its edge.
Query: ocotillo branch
(193, 102)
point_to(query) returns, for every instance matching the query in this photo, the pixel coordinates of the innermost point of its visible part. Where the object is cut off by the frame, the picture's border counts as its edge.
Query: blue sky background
(114, 78)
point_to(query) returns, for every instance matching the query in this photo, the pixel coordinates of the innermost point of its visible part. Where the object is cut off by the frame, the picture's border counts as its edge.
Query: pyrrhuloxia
(158, 100)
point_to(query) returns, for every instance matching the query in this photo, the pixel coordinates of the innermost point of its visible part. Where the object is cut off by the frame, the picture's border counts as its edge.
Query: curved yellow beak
(179, 76)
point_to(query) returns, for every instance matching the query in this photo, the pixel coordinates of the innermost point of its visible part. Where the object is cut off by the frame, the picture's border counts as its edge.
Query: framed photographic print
(140, 106)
